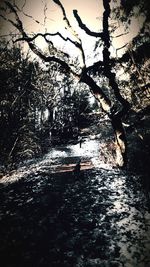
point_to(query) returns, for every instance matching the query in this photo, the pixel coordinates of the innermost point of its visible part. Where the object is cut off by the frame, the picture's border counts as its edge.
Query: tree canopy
(115, 93)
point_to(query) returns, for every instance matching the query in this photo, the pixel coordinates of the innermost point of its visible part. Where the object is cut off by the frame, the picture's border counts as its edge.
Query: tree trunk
(115, 118)
(120, 141)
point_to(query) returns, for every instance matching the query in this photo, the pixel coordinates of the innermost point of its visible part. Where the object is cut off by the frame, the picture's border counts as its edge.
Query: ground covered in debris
(51, 216)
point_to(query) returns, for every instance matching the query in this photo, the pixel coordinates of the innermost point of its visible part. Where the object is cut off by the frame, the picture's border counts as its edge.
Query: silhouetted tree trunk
(115, 115)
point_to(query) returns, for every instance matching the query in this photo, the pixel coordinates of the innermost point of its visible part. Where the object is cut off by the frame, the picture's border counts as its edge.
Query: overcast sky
(91, 12)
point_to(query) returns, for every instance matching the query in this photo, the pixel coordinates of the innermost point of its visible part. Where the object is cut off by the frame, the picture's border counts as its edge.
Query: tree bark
(120, 141)
(117, 111)
(115, 116)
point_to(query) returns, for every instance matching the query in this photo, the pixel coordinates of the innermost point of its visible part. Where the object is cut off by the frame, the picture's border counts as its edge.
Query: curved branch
(45, 58)
(45, 35)
(65, 66)
(97, 92)
(84, 27)
(33, 47)
(48, 58)
(9, 20)
(69, 27)
(19, 23)
(97, 66)
(30, 39)
(78, 44)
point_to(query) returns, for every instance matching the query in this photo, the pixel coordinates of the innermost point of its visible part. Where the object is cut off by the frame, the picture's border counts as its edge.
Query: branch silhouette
(85, 28)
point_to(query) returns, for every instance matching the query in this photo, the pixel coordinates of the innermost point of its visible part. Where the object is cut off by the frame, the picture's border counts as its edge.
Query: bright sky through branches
(45, 16)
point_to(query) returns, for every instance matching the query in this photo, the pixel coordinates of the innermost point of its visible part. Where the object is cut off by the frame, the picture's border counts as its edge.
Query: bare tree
(115, 110)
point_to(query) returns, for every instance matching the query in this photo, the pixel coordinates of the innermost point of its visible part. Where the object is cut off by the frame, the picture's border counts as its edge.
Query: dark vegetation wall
(37, 108)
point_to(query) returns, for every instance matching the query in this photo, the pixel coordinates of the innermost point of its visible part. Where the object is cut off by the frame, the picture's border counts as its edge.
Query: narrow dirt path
(99, 217)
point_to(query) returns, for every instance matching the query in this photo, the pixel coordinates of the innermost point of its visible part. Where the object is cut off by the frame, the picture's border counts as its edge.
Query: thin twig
(13, 147)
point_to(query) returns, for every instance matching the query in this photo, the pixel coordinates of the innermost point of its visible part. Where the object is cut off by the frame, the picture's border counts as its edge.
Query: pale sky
(91, 12)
